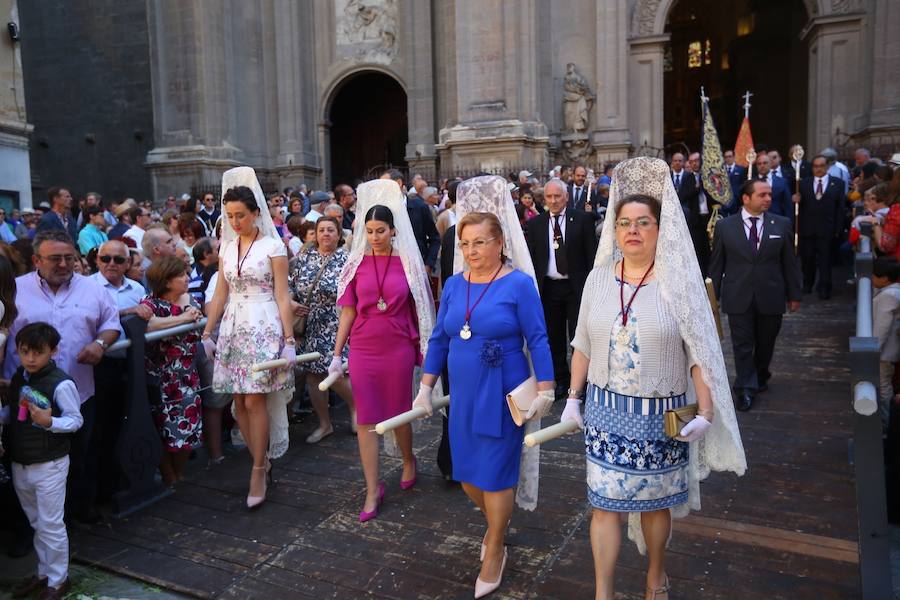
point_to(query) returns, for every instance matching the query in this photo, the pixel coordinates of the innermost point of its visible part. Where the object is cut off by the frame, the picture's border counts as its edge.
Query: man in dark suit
(755, 275)
(700, 207)
(822, 202)
(562, 244)
(578, 193)
(60, 214)
(422, 223)
(781, 194)
(737, 176)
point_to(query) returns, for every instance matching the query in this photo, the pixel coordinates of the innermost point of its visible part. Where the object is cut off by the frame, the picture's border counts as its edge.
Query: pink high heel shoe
(405, 485)
(367, 516)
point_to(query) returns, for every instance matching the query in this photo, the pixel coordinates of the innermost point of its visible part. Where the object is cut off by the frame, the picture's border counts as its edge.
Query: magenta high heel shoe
(367, 516)
(405, 485)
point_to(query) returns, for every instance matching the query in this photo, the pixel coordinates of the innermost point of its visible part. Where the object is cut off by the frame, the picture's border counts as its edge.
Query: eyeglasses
(643, 223)
(58, 258)
(119, 260)
(475, 244)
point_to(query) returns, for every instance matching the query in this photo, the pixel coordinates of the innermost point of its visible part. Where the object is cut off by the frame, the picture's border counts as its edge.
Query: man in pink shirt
(88, 319)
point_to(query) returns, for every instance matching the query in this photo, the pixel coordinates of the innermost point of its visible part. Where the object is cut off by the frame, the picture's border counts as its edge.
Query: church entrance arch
(729, 48)
(368, 126)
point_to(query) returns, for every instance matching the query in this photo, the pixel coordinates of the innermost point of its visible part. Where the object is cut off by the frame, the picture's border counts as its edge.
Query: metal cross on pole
(747, 95)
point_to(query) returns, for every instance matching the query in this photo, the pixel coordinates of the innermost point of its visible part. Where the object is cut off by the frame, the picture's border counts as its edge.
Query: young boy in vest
(44, 412)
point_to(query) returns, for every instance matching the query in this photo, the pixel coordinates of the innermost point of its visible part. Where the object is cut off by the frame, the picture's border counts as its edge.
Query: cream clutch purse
(521, 398)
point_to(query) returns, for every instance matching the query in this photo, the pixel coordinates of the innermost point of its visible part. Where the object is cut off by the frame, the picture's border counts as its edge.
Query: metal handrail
(865, 391)
(160, 334)
(867, 447)
(864, 291)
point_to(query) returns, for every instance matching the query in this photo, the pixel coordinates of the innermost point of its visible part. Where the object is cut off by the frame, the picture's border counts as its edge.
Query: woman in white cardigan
(646, 343)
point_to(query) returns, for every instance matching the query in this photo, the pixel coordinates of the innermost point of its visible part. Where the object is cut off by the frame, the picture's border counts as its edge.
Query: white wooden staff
(329, 381)
(410, 416)
(281, 362)
(550, 433)
(797, 157)
(751, 159)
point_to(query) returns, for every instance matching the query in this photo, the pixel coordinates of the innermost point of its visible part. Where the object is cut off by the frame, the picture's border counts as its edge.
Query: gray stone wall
(87, 89)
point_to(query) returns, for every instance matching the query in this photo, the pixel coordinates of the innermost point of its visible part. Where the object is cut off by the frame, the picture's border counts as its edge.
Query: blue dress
(485, 443)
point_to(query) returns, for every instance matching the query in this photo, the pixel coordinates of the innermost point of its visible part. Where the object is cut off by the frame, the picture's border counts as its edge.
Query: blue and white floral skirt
(632, 466)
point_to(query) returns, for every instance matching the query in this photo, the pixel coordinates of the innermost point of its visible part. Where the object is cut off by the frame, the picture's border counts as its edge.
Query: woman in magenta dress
(383, 297)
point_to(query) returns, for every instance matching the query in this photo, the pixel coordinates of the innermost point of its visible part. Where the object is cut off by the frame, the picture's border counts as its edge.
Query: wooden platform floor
(785, 530)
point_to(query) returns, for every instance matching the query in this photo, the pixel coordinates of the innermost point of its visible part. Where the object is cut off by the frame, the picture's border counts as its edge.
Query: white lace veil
(387, 193)
(490, 194)
(277, 401)
(682, 288)
(246, 176)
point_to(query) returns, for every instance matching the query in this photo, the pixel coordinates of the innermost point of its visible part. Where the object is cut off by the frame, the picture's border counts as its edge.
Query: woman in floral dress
(253, 302)
(176, 411)
(315, 296)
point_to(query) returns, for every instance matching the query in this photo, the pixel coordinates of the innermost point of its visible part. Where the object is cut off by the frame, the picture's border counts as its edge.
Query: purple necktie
(754, 236)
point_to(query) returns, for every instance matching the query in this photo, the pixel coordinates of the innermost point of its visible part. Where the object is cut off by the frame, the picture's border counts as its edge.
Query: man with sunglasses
(88, 321)
(113, 260)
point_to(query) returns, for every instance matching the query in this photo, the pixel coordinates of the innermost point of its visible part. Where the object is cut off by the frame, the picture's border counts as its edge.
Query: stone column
(192, 117)
(297, 133)
(496, 125)
(881, 87)
(611, 137)
(645, 91)
(15, 163)
(835, 82)
(418, 50)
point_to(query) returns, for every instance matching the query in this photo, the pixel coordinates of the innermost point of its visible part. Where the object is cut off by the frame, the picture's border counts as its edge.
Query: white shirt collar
(745, 216)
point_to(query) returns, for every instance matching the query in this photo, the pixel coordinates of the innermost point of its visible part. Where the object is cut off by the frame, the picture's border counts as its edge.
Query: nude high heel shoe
(256, 501)
(483, 588)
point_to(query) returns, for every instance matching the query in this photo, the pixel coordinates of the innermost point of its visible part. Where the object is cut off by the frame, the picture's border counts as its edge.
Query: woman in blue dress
(485, 314)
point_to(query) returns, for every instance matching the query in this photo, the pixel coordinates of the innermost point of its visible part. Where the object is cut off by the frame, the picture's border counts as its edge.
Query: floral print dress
(322, 321)
(632, 466)
(251, 331)
(177, 413)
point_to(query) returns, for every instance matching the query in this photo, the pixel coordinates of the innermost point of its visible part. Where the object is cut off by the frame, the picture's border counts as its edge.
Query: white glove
(209, 347)
(572, 412)
(541, 405)
(694, 430)
(336, 366)
(423, 399)
(289, 353)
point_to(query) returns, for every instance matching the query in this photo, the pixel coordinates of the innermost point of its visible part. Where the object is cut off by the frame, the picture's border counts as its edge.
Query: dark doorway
(368, 127)
(729, 48)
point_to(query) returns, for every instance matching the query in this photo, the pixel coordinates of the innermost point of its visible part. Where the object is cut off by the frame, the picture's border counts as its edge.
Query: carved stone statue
(578, 99)
(367, 29)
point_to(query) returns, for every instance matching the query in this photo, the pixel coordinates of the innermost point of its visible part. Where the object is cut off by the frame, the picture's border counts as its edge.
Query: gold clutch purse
(676, 418)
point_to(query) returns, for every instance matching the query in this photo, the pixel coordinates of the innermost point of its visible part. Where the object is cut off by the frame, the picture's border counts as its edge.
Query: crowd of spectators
(82, 267)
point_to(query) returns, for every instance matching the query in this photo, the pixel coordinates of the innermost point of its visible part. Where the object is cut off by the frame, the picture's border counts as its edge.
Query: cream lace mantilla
(683, 290)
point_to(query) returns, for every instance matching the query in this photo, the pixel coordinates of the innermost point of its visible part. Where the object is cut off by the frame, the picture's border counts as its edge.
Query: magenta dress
(384, 346)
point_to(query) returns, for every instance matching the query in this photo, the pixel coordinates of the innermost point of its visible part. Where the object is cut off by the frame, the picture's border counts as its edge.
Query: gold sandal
(651, 593)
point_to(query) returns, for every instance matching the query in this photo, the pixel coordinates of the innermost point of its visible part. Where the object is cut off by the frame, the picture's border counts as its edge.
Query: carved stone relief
(366, 30)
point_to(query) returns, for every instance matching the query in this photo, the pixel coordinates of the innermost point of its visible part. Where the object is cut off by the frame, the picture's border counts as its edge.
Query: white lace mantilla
(682, 288)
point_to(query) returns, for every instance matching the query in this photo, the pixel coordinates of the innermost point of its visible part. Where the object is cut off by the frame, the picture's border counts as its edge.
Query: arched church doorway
(729, 48)
(368, 126)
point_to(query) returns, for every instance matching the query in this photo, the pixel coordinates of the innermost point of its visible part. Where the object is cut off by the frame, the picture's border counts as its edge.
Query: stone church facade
(489, 84)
